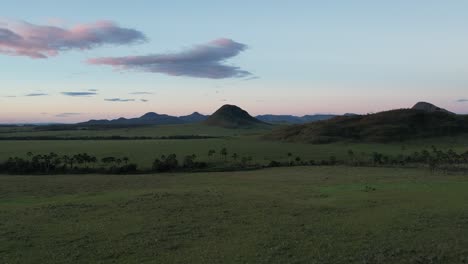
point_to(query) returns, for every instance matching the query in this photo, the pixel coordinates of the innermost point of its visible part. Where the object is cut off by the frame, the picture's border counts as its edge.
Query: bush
(168, 163)
(274, 163)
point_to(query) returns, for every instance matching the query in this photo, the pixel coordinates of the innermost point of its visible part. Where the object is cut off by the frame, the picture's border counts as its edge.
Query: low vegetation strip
(105, 137)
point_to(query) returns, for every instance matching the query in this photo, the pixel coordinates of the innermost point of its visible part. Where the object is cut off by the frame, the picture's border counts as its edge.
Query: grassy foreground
(283, 215)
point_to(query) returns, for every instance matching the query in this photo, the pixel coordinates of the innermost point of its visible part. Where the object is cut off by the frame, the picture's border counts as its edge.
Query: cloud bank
(77, 94)
(119, 100)
(462, 100)
(140, 93)
(201, 61)
(67, 114)
(36, 94)
(40, 42)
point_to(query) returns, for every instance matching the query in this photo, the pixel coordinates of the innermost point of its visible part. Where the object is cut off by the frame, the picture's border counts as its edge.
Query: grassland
(143, 131)
(283, 215)
(144, 152)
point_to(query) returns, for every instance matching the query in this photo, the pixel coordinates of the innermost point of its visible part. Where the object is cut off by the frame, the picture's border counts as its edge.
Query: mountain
(195, 117)
(231, 116)
(393, 125)
(428, 107)
(150, 118)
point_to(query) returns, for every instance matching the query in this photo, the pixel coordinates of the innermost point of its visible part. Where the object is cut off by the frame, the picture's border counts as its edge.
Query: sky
(70, 61)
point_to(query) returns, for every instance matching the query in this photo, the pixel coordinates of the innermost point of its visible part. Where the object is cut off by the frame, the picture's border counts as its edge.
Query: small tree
(108, 160)
(211, 152)
(351, 156)
(189, 161)
(244, 161)
(235, 156)
(298, 160)
(290, 158)
(249, 159)
(224, 153)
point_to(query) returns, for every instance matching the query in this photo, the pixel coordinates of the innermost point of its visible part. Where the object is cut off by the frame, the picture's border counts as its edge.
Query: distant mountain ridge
(195, 117)
(150, 118)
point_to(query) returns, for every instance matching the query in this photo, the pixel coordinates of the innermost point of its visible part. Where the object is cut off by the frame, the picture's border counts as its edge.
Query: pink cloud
(37, 41)
(202, 61)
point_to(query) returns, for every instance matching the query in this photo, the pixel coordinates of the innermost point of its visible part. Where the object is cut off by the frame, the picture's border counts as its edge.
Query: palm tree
(234, 156)
(66, 160)
(211, 152)
(224, 153)
(351, 156)
(108, 160)
(93, 160)
(290, 158)
(298, 159)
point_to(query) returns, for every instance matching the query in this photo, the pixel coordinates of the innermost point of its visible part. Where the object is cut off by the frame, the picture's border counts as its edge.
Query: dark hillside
(394, 125)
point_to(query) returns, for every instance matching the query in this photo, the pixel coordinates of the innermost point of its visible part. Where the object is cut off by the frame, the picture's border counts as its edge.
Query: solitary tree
(290, 157)
(298, 160)
(351, 156)
(211, 152)
(235, 156)
(224, 153)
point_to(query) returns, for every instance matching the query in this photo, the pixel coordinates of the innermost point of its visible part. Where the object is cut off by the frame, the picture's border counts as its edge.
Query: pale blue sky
(309, 57)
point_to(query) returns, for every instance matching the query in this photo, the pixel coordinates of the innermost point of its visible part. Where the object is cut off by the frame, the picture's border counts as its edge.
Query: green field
(142, 131)
(143, 152)
(283, 215)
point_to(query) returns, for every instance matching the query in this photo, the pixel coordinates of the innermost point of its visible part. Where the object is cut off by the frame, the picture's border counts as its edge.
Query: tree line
(53, 163)
(433, 159)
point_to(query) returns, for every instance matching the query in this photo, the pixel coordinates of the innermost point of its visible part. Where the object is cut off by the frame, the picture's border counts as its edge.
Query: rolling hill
(231, 116)
(387, 126)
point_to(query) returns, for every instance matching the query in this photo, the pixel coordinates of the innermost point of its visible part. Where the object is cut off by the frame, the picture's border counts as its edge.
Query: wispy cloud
(93, 90)
(9, 96)
(202, 61)
(251, 78)
(35, 94)
(40, 42)
(79, 94)
(119, 100)
(67, 114)
(462, 100)
(143, 100)
(141, 93)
